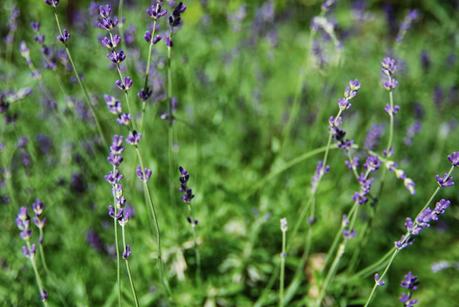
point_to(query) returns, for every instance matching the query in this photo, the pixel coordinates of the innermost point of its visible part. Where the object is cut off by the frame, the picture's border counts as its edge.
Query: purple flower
(105, 10)
(349, 234)
(372, 164)
(445, 181)
(117, 145)
(144, 93)
(35, 26)
(187, 195)
(43, 295)
(344, 104)
(134, 138)
(391, 110)
(116, 57)
(38, 207)
(29, 252)
(409, 282)
(155, 11)
(320, 171)
(389, 66)
(379, 282)
(175, 19)
(64, 37)
(52, 3)
(127, 252)
(124, 119)
(114, 106)
(374, 136)
(149, 39)
(113, 177)
(125, 84)
(143, 175)
(390, 84)
(406, 24)
(110, 42)
(454, 158)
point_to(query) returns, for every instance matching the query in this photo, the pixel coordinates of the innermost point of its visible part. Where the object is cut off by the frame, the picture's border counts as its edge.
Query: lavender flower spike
(445, 181)
(409, 282)
(454, 158)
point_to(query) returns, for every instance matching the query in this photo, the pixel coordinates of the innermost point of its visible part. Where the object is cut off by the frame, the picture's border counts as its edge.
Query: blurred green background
(237, 68)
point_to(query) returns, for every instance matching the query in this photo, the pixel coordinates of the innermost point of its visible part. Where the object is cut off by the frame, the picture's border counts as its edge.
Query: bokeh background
(253, 94)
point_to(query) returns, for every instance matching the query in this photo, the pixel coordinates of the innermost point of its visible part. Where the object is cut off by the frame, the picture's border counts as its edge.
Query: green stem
(82, 85)
(37, 275)
(118, 279)
(282, 269)
(134, 294)
(195, 245)
(42, 253)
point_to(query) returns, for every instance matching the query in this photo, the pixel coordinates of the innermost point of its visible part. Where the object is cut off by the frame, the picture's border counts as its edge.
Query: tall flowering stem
(187, 196)
(64, 37)
(108, 23)
(29, 249)
(422, 221)
(283, 255)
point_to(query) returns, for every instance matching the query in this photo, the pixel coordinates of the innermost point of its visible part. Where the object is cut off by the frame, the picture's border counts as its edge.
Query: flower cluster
(50, 57)
(409, 282)
(371, 165)
(422, 221)
(143, 174)
(454, 158)
(187, 192)
(114, 107)
(53, 3)
(444, 181)
(39, 221)
(406, 24)
(347, 232)
(118, 211)
(400, 174)
(175, 20)
(388, 68)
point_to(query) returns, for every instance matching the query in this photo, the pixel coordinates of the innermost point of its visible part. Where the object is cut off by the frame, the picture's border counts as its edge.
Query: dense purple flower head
(144, 174)
(52, 3)
(148, 38)
(116, 56)
(454, 158)
(445, 180)
(134, 138)
(409, 282)
(175, 19)
(125, 84)
(389, 66)
(105, 10)
(64, 37)
(114, 159)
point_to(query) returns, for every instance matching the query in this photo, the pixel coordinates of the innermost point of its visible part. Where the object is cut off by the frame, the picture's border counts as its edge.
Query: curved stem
(37, 275)
(134, 294)
(195, 245)
(282, 270)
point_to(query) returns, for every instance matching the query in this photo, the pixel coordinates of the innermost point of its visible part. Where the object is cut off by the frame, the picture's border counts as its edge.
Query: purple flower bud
(169, 42)
(372, 163)
(390, 84)
(114, 159)
(127, 252)
(143, 175)
(44, 295)
(35, 26)
(52, 3)
(29, 252)
(38, 207)
(64, 37)
(116, 57)
(144, 94)
(344, 104)
(445, 181)
(391, 110)
(113, 177)
(134, 138)
(117, 145)
(379, 282)
(124, 119)
(114, 106)
(389, 66)
(105, 10)
(124, 84)
(454, 158)
(40, 223)
(110, 42)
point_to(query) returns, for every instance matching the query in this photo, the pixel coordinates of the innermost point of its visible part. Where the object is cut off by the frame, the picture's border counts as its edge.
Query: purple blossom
(124, 119)
(52, 3)
(144, 174)
(29, 252)
(406, 24)
(149, 39)
(116, 57)
(113, 177)
(155, 10)
(445, 180)
(379, 282)
(187, 195)
(127, 252)
(320, 171)
(374, 136)
(111, 42)
(134, 138)
(114, 106)
(409, 282)
(125, 84)
(454, 158)
(64, 36)
(391, 110)
(390, 84)
(144, 93)
(372, 164)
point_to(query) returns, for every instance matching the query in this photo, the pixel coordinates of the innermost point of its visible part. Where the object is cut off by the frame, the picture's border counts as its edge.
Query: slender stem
(126, 261)
(115, 228)
(195, 245)
(282, 269)
(82, 85)
(331, 272)
(37, 275)
(373, 291)
(149, 201)
(42, 253)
